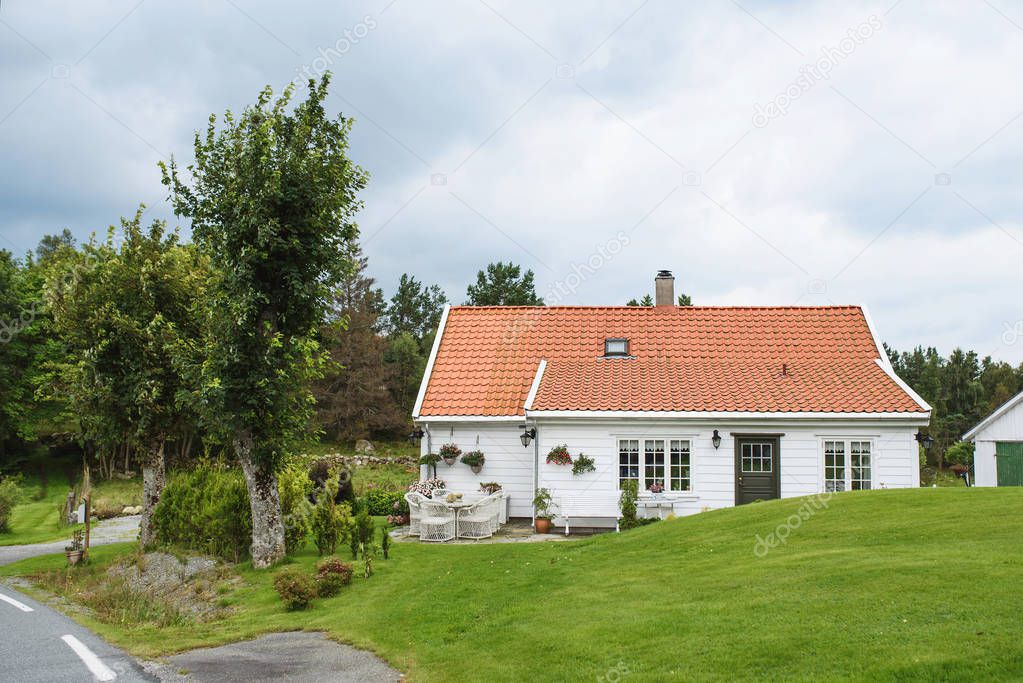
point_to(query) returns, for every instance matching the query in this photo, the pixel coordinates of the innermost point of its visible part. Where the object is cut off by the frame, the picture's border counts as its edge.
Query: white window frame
(847, 466)
(641, 479)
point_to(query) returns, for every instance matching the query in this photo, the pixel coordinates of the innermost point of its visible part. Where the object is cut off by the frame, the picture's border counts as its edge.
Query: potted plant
(475, 460)
(657, 489)
(490, 487)
(559, 456)
(543, 506)
(583, 464)
(75, 550)
(450, 453)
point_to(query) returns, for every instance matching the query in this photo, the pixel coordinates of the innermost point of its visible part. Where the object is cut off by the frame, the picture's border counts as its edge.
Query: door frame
(738, 438)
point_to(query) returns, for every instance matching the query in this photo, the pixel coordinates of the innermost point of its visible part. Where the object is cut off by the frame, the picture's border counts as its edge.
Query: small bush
(206, 509)
(364, 527)
(331, 576)
(10, 495)
(627, 504)
(381, 503)
(295, 587)
(960, 453)
(330, 521)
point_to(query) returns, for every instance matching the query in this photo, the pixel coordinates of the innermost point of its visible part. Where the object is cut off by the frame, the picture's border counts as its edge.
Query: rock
(363, 446)
(183, 586)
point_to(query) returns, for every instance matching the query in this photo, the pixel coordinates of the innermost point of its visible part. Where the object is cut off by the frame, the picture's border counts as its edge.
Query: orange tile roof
(689, 358)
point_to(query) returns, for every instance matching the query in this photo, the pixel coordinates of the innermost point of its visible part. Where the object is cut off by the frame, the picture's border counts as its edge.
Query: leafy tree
(122, 316)
(353, 398)
(503, 284)
(415, 308)
(273, 202)
(50, 245)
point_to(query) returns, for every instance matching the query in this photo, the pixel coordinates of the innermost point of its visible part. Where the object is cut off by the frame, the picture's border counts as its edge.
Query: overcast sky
(768, 153)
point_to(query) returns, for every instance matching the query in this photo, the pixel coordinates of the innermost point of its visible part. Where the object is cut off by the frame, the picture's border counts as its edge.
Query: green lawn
(36, 519)
(887, 585)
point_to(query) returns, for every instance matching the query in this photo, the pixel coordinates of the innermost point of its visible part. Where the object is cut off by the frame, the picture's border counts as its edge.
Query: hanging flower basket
(450, 452)
(475, 460)
(559, 456)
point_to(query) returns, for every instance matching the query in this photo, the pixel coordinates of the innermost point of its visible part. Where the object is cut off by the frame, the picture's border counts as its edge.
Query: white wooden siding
(508, 463)
(895, 462)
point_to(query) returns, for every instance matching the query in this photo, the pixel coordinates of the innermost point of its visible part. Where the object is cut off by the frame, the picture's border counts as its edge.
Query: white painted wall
(895, 465)
(895, 461)
(508, 463)
(1007, 427)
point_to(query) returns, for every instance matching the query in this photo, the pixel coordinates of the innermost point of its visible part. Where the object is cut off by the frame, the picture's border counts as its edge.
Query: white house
(998, 458)
(719, 405)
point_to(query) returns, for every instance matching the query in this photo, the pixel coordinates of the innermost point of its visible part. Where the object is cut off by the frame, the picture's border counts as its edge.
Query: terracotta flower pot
(543, 526)
(476, 468)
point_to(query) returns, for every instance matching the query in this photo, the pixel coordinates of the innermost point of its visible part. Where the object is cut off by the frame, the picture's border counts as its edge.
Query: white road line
(20, 605)
(101, 671)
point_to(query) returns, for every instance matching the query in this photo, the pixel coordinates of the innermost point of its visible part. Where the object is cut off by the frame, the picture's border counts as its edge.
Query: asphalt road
(44, 645)
(38, 643)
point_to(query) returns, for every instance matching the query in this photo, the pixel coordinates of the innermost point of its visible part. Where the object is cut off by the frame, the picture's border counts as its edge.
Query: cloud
(538, 133)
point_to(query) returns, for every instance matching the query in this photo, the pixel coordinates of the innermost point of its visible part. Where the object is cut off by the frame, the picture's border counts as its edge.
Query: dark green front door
(757, 468)
(1009, 455)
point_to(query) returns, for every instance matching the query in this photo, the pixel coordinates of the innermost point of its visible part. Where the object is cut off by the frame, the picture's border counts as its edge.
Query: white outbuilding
(998, 459)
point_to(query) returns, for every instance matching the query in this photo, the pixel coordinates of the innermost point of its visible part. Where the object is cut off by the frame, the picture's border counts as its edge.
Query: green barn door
(1010, 463)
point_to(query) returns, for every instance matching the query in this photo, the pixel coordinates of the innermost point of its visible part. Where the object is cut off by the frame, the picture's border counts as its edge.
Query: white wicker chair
(495, 520)
(477, 521)
(437, 523)
(415, 512)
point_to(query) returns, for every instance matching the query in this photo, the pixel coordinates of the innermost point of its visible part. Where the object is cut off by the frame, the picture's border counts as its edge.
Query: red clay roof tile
(716, 359)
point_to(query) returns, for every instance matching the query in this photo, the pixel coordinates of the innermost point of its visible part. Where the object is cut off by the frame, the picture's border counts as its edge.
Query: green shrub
(10, 495)
(627, 504)
(364, 526)
(206, 509)
(331, 576)
(330, 521)
(295, 587)
(381, 503)
(960, 453)
(385, 543)
(295, 487)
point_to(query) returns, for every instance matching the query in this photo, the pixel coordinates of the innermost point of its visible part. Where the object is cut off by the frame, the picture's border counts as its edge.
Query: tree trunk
(154, 478)
(265, 502)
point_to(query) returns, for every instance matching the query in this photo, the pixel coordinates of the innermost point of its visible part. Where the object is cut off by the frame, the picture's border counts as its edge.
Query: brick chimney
(664, 288)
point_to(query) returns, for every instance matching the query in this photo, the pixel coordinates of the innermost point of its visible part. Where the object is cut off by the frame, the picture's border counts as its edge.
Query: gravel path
(116, 530)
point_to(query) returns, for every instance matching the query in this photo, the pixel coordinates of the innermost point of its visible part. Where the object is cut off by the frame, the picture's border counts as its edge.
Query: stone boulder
(364, 446)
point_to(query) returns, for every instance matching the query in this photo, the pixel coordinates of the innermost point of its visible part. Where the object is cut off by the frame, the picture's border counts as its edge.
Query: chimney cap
(664, 273)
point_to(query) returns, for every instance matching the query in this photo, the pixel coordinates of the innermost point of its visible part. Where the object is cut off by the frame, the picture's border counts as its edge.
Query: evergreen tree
(353, 400)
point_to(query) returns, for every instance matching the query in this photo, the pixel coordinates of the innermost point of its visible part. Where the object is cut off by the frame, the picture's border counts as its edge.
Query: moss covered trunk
(265, 501)
(154, 479)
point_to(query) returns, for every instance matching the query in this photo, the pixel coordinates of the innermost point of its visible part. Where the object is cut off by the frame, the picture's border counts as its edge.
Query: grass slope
(892, 585)
(37, 519)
